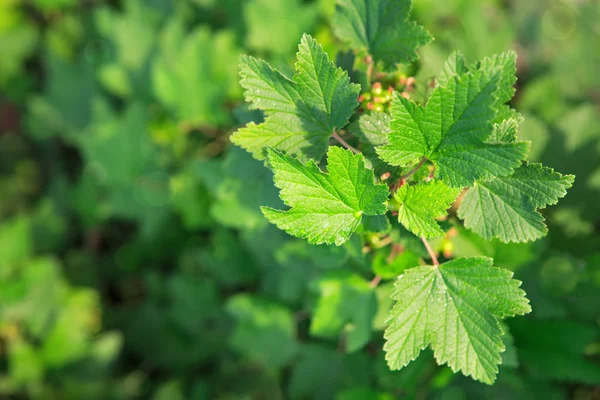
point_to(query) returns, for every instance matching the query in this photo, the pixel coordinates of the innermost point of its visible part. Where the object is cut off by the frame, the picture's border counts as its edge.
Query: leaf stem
(404, 177)
(415, 169)
(375, 281)
(430, 251)
(344, 143)
(370, 62)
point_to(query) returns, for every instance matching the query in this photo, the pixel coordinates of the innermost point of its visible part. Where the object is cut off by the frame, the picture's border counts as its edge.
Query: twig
(375, 281)
(402, 180)
(370, 62)
(415, 169)
(344, 143)
(430, 251)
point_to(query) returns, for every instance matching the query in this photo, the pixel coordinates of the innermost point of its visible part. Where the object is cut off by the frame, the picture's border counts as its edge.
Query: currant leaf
(456, 309)
(505, 207)
(456, 128)
(420, 205)
(382, 28)
(325, 207)
(453, 130)
(303, 112)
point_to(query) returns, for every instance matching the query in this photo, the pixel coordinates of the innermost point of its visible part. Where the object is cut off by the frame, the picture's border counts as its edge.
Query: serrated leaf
(454, 307)
(454, 128)
(325, 207)
(504, 132)
(382, 28)
(421, 204)
(372, 130)
(456, 65)
(505, 207)
(303, 112)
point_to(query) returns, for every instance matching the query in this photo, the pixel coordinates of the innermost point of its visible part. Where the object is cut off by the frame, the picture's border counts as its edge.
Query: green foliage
(454, 129)
(200, 59)
(302, 113)
(142, 255)
(325, 208)
(454, 307)
(505, 207)
(381, 27)
(420, 205)
(347, 303)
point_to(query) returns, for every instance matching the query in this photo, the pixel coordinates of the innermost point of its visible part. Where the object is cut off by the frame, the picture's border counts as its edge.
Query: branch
(344, 143)
(430, 251)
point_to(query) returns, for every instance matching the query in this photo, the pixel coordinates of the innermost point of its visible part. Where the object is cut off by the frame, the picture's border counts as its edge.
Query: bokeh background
(135, 262)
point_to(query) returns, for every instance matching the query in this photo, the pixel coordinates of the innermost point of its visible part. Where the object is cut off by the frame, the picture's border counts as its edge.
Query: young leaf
(382, 28)
(456, 65)
(505, 207)
(301, 113)
(453, 131)
(325, 207)
(454, 307)
(420, 205)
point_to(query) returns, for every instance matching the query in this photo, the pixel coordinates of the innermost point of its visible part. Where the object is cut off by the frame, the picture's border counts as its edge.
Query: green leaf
(347, 303)
(557, 349)
(456, 65)
(421, 204)
(202, 59)
(278, 36)
(454, 129)
(301, 113)
(505, 207)
(504, 132)
(372, 130)
(454, 307)
(265, 331)
(382, 28)
(325, 207)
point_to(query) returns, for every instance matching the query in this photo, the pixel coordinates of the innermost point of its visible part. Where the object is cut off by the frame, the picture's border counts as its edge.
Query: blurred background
(135, 262)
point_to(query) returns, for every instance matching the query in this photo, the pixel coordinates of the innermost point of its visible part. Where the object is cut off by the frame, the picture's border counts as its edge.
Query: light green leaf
(265, 331)
(201, 59)
(301, 113)
(346, 303)
(287, 21)
(382, 28)
(372, 130)
(420, 205)
(456, 65)
(453, 130)
(505, 207)
(454, 307)
(325, 207)
(504, 132)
